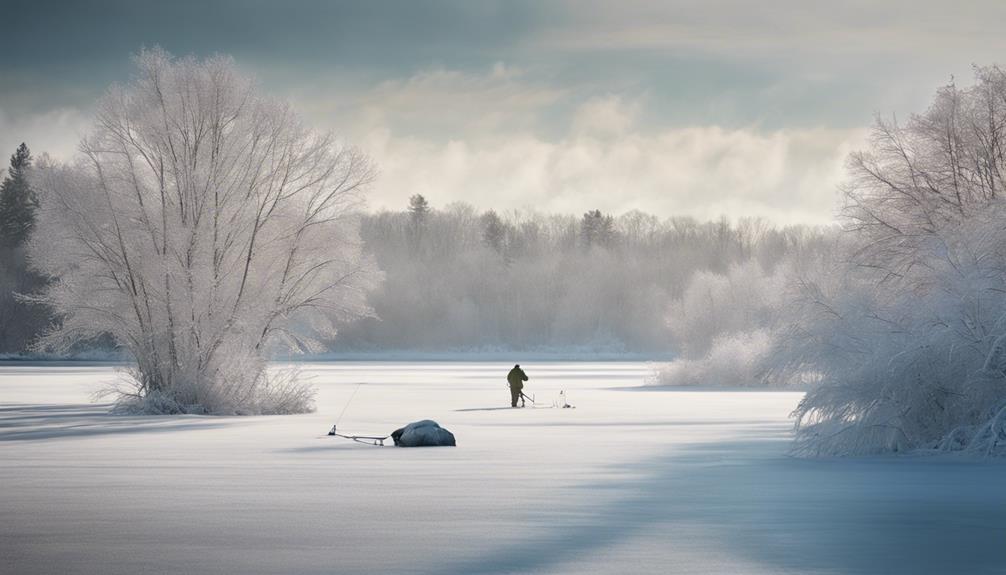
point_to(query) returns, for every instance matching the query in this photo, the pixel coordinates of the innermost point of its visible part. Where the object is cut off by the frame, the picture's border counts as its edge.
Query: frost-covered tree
(725, 326)
(905, 332)
(202, 226)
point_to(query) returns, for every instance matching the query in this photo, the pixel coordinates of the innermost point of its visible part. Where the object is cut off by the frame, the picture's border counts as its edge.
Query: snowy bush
(726, 326)
(734, 359)
(200, 224)
(907, 332)
(717, 305)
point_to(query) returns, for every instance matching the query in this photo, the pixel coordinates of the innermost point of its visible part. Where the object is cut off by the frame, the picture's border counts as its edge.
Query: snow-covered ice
(634, 480)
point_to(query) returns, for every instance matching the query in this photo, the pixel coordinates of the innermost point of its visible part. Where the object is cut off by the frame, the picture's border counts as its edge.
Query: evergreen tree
(20, 322)
(597, 229)
(493, 231)
(419, 208)
(419, 211)
(17, 201)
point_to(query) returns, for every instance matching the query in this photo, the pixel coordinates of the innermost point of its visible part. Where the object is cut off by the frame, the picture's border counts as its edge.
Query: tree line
(460, 279)
(457, 278)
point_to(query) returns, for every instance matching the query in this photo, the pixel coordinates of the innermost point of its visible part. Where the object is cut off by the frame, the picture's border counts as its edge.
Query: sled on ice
(425, 433)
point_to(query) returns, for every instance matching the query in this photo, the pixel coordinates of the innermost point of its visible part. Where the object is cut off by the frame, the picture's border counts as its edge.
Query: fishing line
(350, 400)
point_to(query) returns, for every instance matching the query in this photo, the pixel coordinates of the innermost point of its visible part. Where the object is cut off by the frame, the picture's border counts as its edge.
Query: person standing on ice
(516, 379)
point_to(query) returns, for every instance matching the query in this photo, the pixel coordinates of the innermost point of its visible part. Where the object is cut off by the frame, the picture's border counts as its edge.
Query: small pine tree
(419, 208)
(493, 231)
(597, 229)
(17, 201)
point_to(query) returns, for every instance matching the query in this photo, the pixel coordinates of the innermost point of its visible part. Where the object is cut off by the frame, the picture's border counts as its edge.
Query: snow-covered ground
(634, 480)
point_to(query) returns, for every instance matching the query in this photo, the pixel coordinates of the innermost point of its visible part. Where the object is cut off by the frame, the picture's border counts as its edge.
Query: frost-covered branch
(195, 215)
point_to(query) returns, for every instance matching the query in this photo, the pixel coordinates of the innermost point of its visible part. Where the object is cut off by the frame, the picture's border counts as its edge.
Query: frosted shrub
(905, 366)
(202, 226)
(907, 332)
(735, 359)
(714, 305)
(725, 326)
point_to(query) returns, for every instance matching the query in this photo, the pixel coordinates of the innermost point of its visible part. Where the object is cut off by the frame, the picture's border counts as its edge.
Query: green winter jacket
(516, 378)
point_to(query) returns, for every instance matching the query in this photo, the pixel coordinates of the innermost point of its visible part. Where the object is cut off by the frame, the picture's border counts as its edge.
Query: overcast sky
(678, 108)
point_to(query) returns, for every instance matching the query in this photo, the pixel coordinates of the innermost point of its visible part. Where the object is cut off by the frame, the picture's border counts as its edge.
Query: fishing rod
(524, 396)
(562, 403)
(364, 439)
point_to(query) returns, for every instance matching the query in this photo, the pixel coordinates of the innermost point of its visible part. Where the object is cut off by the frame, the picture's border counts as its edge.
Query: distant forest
(457, 279)
(461, 279)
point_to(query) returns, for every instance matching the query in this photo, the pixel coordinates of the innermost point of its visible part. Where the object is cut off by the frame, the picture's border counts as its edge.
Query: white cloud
(55, 132)
(788, 175)
(437, 102)
(605, 116)
(477, 137)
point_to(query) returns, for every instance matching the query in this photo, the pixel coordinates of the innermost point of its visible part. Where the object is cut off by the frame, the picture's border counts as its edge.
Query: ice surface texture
(633, 481)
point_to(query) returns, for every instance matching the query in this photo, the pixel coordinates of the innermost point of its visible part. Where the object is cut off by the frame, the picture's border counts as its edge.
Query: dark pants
(515, 395)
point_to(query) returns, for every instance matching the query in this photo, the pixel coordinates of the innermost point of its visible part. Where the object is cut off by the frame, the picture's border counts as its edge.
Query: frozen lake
(631, 481)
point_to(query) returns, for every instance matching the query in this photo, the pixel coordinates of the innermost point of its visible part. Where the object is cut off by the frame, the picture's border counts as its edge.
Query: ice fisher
(516, 379)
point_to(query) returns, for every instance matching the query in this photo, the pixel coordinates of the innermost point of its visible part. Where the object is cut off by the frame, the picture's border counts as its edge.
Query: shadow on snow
(67, 421)
(748, 502)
